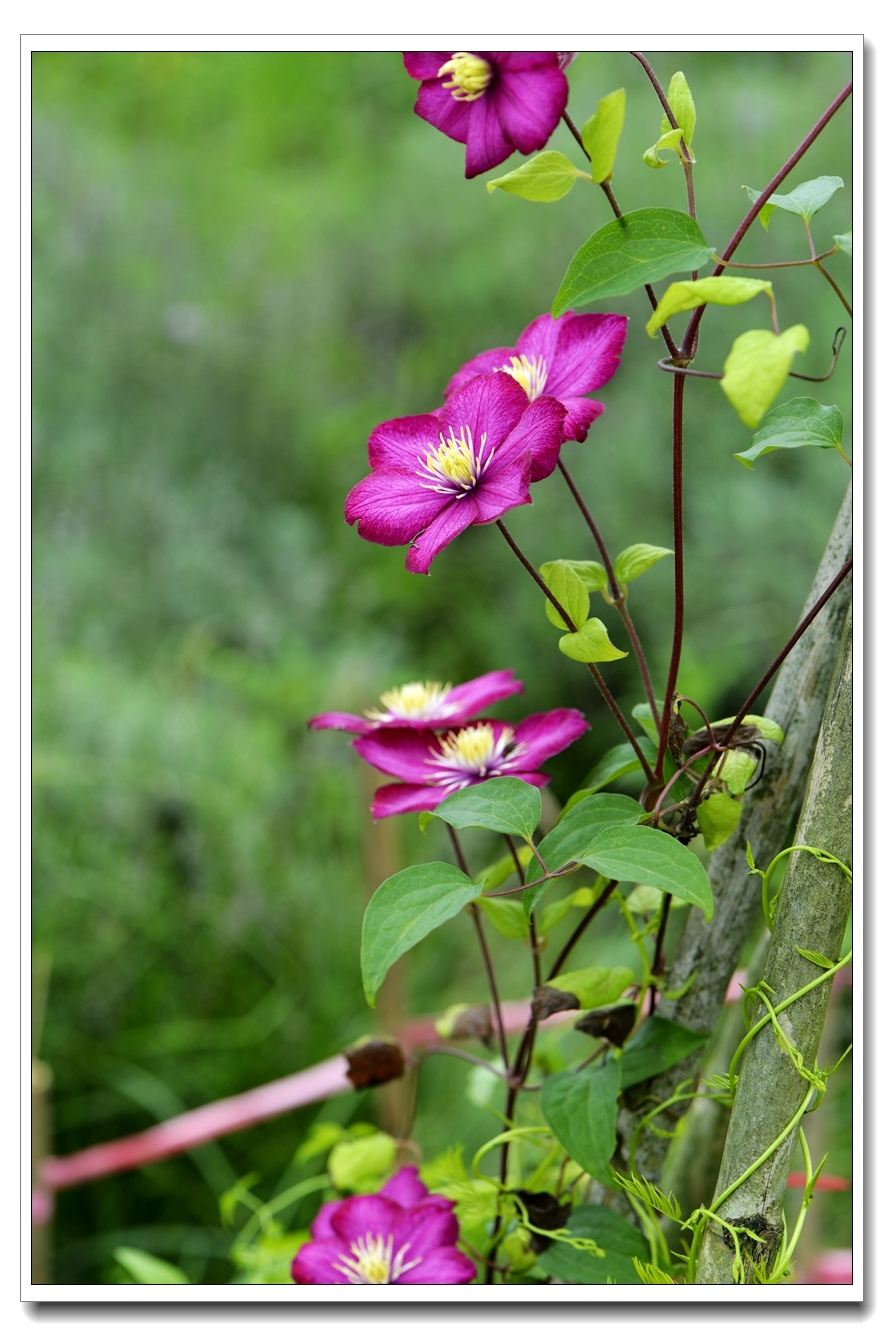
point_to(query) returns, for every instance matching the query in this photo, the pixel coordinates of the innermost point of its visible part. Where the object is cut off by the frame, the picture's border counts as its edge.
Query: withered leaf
(374, 1062)
(546, 1001)
(546, 1212)
(611, 1023)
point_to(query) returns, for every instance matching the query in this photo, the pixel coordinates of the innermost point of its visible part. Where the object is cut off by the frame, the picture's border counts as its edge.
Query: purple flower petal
(425, 64)
(347, 723)
(504, 488)
(396, 799)
(529, 105)
(582, 413)
(541, 338)
(483, 691)
(323, 1225)
(391, 507)
(317, 1263)
(405, 1187)
(487, 144)
(516, 61)
(543, 735)
(540, 431)
(402, 752)
(403, 443)
(492, 405)
(436, 105)
(444, 1266)
(587, 354)
(456, 516)
(369, 1214)
(426, 1228)
(483, 365)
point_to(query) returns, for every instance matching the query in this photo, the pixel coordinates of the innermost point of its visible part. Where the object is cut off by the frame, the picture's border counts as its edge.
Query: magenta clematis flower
(493, 101)
(433, 767)
(402, 1235)
(434, 475)
(426, 704)
(565, 358)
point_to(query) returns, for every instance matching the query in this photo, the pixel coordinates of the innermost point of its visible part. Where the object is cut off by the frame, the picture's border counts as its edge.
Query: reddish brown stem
(678, 385)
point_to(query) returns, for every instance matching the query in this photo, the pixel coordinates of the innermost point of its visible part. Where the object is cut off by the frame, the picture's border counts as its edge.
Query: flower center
(373, 1262)
(473, 750)
(470, 76)
(454, 464)
(530, 372)
(414, 700)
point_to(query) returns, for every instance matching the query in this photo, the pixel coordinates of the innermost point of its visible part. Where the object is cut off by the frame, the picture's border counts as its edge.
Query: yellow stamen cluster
(474, 748)
(470, 76)
(414, 700)
(454, 461)
(374, 1262)
(530, 372)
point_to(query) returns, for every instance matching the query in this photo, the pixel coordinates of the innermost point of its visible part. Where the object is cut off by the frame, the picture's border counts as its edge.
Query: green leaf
(669, 139)
(795, 424)
(641, 247)
(686, 295)
(768, 728)
(404, 910)
(634, 561)
(642, 712)
(506, 804)
(569, 589)
(757, 367)
(321, 1137)
(617, 1239)
(506, 915)
(592, 573)
(596, 986)
(601, 134)
(545, 178)
(358, 1166)
(581, 1109)
(145, 1269)
(642, 854)
(568, 840)
(682, 104)
(553, 914)
(619, 761)
(737, 770)
(650, 1274)
(805, 200)
(591, 644)
(647, 900)
(845, 242)
(718, 818)
(657, 1046)
(497, 873)
(816, 958)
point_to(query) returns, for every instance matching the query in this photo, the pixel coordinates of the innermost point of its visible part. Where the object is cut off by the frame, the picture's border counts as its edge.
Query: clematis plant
(433, 476)
(402, 1235)
(566, 358)
(426, 705)
(433, 767)
(505, 416)
(493, 101)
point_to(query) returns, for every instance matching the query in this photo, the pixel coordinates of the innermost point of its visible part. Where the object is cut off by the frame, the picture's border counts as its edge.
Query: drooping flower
(565, 358)
(434, 475)
(493, 101)
(432, 767)
(426, 704)
(402, 1235)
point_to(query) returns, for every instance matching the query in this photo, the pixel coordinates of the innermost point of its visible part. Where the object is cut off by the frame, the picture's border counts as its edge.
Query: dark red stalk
(678, 385)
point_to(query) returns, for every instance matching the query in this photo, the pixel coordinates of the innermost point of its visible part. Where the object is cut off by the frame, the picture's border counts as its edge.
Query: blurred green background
(242, 263)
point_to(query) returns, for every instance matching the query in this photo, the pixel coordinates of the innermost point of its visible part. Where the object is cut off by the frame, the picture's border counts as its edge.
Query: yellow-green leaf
(718, 818)
(358, 1166)
(737, 770)
(545, 178)
(671, 139)
(757, 367)
(590, 644)
(683, 109)
(635, 560)
(723, 291)
(596, 986)
(601, 134)
(570, 591)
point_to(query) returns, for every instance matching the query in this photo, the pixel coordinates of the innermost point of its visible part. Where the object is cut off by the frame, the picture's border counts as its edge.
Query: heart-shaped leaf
(721, 291)
(805, 200)
(581, 1109)
(591, 644)
(545, 178)
(791, 426)
(505, 804)
(642, 854)
(757, 367)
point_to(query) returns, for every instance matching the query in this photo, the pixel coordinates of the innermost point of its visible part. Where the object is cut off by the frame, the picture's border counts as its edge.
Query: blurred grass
(242, 263)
